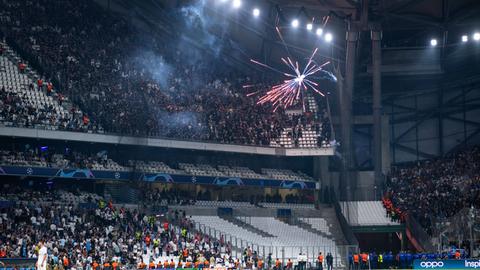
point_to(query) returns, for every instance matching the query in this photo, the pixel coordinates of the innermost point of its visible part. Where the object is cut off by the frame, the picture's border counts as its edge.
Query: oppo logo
(431, 264)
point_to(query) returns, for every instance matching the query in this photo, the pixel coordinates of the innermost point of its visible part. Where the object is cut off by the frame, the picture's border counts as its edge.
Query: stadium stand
(319, 224)
(82, 236)
(153, 167)
(77, 66)
(433, 190)
(366, 213)
(287, 240)
(121, 92)
(239, 172)
(287, 205)
(28, 101)
(231, 204)
(32, 156)
(285, 174)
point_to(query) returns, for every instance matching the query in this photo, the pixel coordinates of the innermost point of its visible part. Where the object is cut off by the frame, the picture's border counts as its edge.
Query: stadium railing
(415, 230)
(17, 263)
(347, 231)
(339, 252)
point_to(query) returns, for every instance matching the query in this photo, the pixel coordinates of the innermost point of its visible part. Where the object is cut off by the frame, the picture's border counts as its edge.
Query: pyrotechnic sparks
(298, 81)
(285, 94)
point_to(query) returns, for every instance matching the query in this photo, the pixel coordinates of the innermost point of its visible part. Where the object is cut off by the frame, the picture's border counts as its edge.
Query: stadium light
(433, 42)
(319, 31)
(256, 12)
(309, 27)
(476, 36)
(464, 38)
(295, 23)
(237, 3)
(328, 37)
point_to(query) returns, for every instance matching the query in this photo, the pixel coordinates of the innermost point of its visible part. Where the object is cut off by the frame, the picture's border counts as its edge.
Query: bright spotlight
(433, 42)
(237, 3)
(295, 23)
(328, 37)
(309, 27)
(476, 36)
(464, 38)
(256, 12)
(319, 31)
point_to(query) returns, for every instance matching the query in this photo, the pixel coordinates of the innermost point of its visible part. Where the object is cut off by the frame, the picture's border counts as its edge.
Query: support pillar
(376, 36)
(345, 102)
(323, 179)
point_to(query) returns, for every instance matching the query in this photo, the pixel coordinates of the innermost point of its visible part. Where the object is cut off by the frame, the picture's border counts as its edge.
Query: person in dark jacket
(329, 261)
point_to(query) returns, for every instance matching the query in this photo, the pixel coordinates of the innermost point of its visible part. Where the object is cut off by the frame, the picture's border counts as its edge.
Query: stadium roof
(406, 25)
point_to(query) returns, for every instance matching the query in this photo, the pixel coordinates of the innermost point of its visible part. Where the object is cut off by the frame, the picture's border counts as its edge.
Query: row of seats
(284, 174)
(287, 241)
(153, 167)
(159, 167)
(59, 161)
(6, 158)
(219, 171)
(242, 172)
(61, 196)
(16, 83)
(366, 213)
(309, 139)
(192, 169)
(109, 165)
(287, 205)
(319, 224)
(231, 204)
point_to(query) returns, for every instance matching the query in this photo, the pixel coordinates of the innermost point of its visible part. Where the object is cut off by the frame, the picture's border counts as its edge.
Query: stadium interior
(239, 134)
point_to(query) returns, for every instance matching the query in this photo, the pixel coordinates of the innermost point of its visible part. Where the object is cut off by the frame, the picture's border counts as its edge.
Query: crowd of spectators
(14, 108)
(102, 235)
(45, 156)
(156, 197)
(129, 82)
(79, 157)
(173, 196)
(434, 190)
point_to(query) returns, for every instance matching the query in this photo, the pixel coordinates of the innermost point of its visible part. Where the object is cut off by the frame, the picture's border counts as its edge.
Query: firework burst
(298, 81)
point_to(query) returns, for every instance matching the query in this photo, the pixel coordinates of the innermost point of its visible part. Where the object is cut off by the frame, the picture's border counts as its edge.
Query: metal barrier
(284, 253)
(419, 234)
(347, 231)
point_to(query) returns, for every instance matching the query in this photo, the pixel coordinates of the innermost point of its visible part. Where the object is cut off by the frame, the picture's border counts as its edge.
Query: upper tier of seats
(26, 102)
(126, 80)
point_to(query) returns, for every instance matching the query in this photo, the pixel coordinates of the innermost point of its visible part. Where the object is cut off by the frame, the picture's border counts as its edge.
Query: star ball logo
(117, 175)
(194, 179)
(29, 171)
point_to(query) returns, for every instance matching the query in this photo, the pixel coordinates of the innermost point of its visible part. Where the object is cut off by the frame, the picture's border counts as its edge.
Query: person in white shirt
(42, 257)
